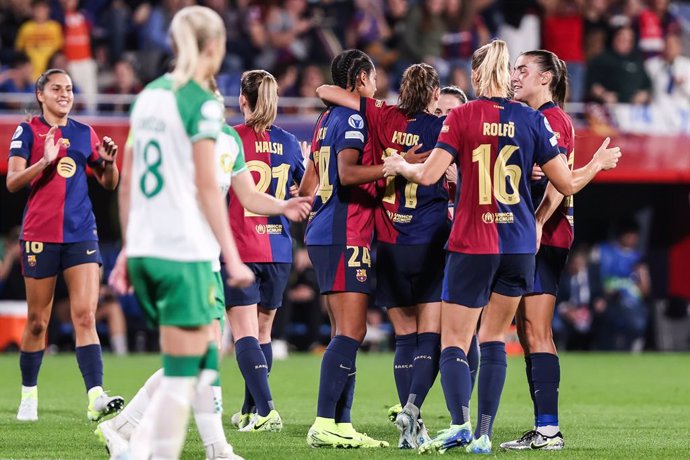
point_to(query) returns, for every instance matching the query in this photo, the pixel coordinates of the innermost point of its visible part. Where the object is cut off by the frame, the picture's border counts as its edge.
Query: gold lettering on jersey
(499, 129)
(270, 229)
(322, 134)
(404, 138)
(498, 218)
(399, 218)
(269, 147)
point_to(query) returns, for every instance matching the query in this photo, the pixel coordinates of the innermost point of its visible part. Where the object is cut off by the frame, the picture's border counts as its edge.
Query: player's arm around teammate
(50, 153)
(489, 268)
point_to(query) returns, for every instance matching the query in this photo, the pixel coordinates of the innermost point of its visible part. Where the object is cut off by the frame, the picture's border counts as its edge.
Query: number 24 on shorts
(354, 260)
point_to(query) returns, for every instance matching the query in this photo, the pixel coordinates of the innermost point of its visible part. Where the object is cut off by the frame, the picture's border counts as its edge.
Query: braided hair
(347, 66)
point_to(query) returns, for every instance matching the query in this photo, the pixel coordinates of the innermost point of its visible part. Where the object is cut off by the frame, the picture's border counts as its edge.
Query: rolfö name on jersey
(268, 147)
(499, 129)
(406, 139)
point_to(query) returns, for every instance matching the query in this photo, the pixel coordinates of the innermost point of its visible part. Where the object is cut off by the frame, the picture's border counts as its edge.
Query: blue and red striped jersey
(408, 213)
(59, 209)
(274, 159)
(558, 231)
(341, 215)
(495, 142)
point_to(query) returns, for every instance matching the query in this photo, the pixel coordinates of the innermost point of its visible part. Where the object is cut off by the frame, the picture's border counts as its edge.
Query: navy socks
(492, 376)
(252, 364)
(425, 367)
(30, 364)
(546, 376)
(248, 406)
(405, 347)
(336, 366)
(455, 380)
(90, 363)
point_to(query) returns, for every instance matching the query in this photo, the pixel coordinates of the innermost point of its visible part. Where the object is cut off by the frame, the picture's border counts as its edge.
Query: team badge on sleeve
(554, 138)
(356, 121)
(17, 132)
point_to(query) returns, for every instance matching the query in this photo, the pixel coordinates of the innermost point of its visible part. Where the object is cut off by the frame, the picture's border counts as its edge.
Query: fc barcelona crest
(31, 260)
(361, 275)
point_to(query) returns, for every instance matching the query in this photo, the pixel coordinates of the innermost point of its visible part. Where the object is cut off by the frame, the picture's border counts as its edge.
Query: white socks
(208, 420)
(127, 421)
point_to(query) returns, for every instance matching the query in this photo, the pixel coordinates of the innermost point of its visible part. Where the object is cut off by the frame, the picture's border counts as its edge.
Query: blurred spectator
(596, 27)
(13, 13)
(395, 15)
(39, 37)
(580, 300)
(312, 78)
(17, 79)
(302, 304)
(654, 25)
(153, 24)
(618, 74)
(110, 312)
(383, 84)
(626, 282)
(421, 38)
(369, 32)
(520, 27)
(465, 32)
(563, 34)
(77, 48)
(11, 279)
(670, 75)
(126, 82)
(287, 25)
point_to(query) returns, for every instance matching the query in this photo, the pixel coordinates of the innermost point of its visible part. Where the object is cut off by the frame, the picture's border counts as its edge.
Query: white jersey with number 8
(165, 219)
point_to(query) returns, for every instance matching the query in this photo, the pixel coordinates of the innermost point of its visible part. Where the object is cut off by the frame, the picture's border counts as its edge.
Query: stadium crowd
(626, 51)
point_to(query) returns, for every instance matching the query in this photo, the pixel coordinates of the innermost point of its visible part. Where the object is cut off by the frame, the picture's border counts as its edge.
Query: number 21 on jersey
(266, 175)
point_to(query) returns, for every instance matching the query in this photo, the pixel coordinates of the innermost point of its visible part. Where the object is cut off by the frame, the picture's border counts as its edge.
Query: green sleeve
(202, 114)
(240, 162)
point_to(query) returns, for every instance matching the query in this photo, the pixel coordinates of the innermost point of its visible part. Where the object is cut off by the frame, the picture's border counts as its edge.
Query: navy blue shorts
(550, 262)
(471, 278)
(408, 275)
(43, 260)
(268, 289)
(341, 268)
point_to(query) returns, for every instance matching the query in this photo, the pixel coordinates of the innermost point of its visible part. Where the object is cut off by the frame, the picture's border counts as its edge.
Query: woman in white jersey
(231, 171)
(173, 219)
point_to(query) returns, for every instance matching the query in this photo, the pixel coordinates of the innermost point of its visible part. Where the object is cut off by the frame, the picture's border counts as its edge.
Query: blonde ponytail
(261, 90)
(491, 63)
(191, 28)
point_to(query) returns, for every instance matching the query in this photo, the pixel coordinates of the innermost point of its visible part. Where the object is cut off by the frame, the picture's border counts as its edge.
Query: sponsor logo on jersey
(261, 229)
(361, 275)
(31, 260)
(17, 132)
(64, 142)
(399, 218)
(66, 167)
(356, 121)
(379, 103)
(15, 145)
(445, 129)
(498, 218)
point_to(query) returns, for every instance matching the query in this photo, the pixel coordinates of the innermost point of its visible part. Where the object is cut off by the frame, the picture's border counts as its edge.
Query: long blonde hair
(491, 63)
(191, 29)
(261, 90)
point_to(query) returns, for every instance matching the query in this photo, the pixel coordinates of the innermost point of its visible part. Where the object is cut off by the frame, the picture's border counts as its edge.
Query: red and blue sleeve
(94, 157)
(449, 139)
(546, 143)
(22, 142)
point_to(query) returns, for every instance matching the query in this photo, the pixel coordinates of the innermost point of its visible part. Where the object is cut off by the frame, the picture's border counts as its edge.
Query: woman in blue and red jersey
(274, 159)
(490, 263)
(412, 228)
(340, 176)
(50, 153)
(539, 79)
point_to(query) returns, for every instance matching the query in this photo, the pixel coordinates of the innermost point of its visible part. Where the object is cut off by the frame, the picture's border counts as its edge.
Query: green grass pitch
(612, 406)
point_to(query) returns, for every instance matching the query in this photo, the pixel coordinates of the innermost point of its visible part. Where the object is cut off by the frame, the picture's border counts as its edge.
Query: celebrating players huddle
(374, 170)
